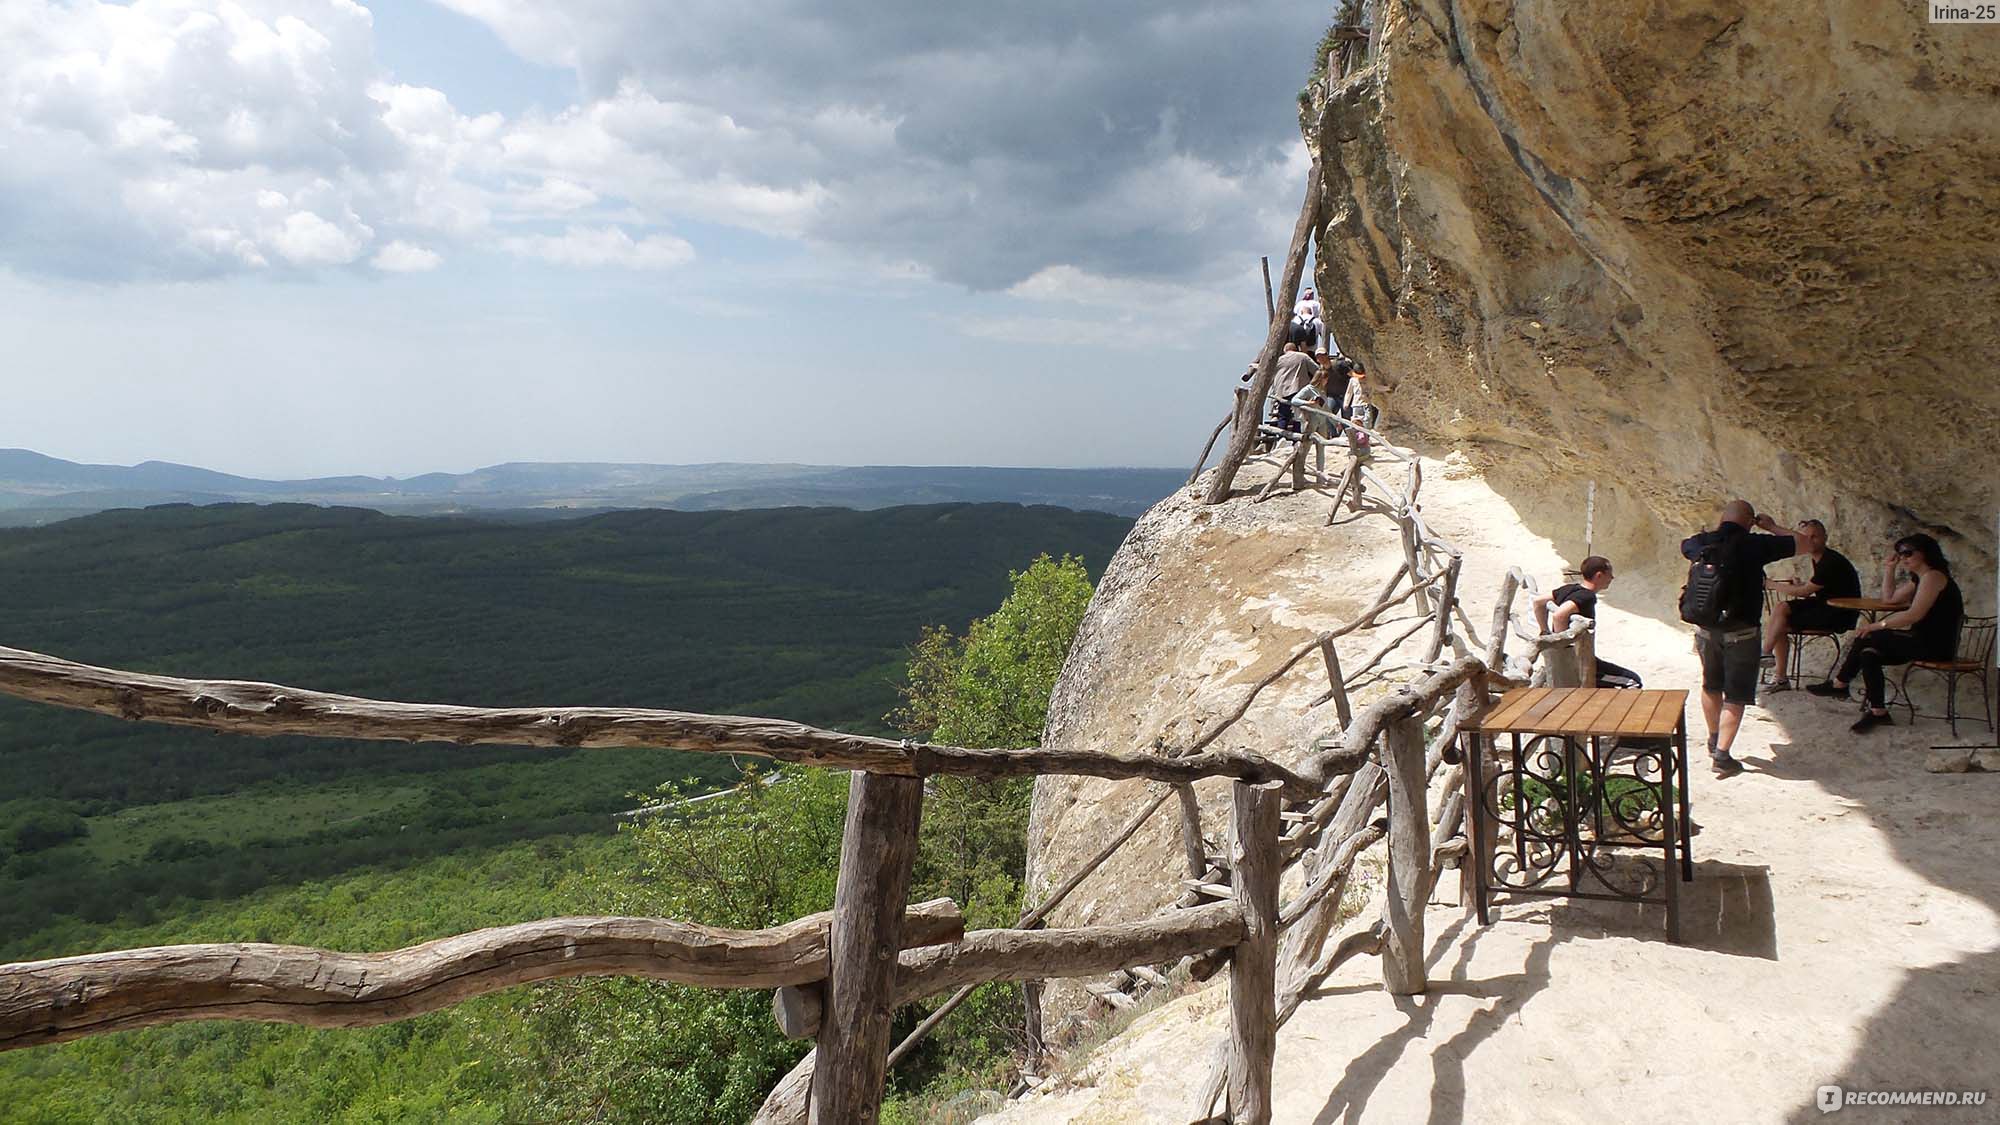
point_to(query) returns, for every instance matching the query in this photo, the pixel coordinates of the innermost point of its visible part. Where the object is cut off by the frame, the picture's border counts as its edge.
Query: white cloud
(402, 257)
(305, 239)
(603, 246)
(1124, 139)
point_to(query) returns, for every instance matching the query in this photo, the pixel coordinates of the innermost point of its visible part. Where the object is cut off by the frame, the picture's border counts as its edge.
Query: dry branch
(72, 997)
(1398, 704)
(986, 955)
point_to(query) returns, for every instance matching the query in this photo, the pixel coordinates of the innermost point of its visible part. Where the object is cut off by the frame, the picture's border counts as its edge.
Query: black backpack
(1707, 598)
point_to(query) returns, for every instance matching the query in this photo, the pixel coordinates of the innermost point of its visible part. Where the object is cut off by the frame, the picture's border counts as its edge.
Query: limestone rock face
(1688, 250)
(1198, 605)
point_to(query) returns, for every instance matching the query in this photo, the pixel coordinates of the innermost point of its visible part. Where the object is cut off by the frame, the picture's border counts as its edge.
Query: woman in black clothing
(1925, 629)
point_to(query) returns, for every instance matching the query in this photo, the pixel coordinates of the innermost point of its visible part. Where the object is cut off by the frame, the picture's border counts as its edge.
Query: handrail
(72, 997)
(246, 707)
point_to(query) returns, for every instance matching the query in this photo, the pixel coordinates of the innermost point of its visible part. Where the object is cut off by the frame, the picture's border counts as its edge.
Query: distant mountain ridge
(36, 488)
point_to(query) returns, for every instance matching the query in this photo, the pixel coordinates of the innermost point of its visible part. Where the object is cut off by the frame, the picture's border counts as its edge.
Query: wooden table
(1567, 780)
(1871, 607)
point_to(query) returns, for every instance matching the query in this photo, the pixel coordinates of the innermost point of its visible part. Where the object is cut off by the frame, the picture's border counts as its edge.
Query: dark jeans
(1869, 654)
(1616, 676)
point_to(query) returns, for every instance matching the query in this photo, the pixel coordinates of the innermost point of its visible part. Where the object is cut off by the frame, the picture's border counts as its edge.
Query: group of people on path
(1725, 600)
(1314, 380)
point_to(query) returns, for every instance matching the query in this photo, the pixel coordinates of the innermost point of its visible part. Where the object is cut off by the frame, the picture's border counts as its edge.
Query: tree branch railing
(832, 981)
(245, 707)
(71, 997)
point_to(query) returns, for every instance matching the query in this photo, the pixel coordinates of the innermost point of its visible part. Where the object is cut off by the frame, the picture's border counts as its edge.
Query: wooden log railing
(245, 707)
(840, 976)
(72, 997)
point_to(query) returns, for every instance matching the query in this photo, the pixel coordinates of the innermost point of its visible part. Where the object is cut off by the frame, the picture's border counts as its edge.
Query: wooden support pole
(1415, 562)
(1253, 967)
(1337, 684)
(1270, 302)
(1274, 342)
(1212, 435)
(877, 854)
(1191, 843)
(1586, 658)
(1503, 613)
(1409, 859)
(1447, 598)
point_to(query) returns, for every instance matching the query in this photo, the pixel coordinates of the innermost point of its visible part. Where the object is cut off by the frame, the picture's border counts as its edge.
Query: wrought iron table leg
(1687, 818)
(1481, 855)
(1670, 837)
(1573, 810)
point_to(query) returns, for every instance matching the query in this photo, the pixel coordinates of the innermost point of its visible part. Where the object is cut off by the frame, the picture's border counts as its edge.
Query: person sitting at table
(1925, 629)
(1805, 605)
(1556, 609)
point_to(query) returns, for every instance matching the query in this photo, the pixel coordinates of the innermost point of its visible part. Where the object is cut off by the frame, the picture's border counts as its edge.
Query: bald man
(1730, 655)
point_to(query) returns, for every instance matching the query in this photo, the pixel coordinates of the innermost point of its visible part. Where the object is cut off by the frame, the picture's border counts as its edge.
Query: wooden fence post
(1447, 598)
(1409, 859)
(1191, 841)
(877, 854)
(1586, 658)
(1336, 684)
(1253, 965)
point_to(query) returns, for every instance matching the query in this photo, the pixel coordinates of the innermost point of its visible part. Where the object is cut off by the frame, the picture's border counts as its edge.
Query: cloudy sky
(291, 237)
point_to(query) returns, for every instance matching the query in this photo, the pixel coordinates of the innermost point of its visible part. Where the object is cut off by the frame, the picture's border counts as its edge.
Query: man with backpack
(1724, 600)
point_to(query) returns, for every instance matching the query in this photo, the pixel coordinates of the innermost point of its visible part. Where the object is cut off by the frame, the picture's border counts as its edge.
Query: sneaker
(1869, 720)
(1725, 764)
(1827, 689)
(1779, 684)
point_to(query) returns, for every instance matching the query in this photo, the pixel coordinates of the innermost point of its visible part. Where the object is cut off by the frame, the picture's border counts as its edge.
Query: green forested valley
(117, 835)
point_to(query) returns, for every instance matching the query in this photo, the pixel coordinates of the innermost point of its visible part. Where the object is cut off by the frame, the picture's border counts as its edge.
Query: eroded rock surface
(1687, 250)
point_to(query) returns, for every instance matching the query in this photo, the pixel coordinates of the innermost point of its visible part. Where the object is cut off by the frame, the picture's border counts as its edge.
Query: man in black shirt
(1557, 608)
(1832, 577)
(1729, 656)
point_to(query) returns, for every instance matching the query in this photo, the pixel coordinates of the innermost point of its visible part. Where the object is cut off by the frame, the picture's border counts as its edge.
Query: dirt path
(1844, 928)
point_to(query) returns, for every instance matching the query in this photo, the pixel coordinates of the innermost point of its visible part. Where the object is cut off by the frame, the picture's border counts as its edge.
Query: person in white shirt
(1308, 325)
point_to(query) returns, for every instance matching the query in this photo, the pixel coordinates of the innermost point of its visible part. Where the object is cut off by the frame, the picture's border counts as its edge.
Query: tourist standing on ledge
(1556, 609)
(1805, 605)
(1926, 630)
(1355, 405)
(1724, 599)
(1308, 326)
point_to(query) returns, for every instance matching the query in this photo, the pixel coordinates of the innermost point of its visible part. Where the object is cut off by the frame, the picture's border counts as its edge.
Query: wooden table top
(1582, 712)
(1867, 605)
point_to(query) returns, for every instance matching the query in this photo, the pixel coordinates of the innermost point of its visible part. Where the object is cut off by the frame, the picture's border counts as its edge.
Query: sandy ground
(1843, 927)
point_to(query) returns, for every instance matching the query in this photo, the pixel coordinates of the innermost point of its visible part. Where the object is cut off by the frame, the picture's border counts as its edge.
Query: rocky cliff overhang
(1688, 251)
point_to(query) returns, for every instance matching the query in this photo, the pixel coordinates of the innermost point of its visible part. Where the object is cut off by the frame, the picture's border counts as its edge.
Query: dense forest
(801, 613)
(614, 1050)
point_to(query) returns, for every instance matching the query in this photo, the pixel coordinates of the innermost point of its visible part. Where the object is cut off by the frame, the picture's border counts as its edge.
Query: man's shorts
(1819, 617)
(1729, 663)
